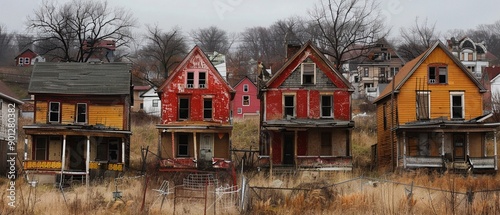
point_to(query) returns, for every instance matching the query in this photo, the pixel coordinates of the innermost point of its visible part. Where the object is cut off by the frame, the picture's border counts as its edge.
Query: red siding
(238, 99)
(342, 107)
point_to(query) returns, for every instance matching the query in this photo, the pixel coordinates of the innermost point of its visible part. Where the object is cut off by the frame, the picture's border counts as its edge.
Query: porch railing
(482, 162)
(42, 165)
(344, 162)
(178, 163)
(417, 162)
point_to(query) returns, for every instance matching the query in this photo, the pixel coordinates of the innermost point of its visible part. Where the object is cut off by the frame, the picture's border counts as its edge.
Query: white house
(151, 102)
(470, 53)
(9, 113)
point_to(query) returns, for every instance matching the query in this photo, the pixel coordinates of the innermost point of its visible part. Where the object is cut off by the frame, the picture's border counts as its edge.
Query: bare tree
(212, 39)
(70, 31)
(346, 28)
(6, 47)
(416, 39)
(163, 51)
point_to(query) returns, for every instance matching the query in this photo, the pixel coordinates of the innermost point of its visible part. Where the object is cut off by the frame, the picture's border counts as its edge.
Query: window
(308, 71)
(182, 145)
(423, 105)
(457, 105)
(202, 79)
(41, 148)
(240, 111)
(190, 80)
(183, 108)
(394, 71)
(289, 105)
(26, 61)
(438, 74)
(155, 102)
(207, 109)
(20, 60)
(109, 150)
(245, 87)
(81, 113)
(54, 110)
(141, 106)
(366, 72)
(326, 106)
(246, 101)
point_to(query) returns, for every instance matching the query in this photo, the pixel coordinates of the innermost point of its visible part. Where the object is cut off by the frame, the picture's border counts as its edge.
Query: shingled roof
(81, 78)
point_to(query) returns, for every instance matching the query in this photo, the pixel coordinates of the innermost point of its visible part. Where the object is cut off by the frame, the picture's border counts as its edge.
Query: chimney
(291, 49)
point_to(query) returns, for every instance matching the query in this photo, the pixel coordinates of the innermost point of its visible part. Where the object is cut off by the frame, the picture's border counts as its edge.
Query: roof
(27, 50)
(241, 81)
(142, 88)
(409, 68)
(492, 72)
(7, 94)
(308, 123)
(196, 49)
(81, 78)
(321, 56)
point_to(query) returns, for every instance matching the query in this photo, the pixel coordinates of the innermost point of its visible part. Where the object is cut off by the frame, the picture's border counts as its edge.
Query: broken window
(289, 105)
(108, 150)
(81, 113)
(40, 148)
(183, 108)
(202, 79)
(246, 100)
(308, 71)
(245, 88)
(54, 111)
(190, 80)
(438, 74)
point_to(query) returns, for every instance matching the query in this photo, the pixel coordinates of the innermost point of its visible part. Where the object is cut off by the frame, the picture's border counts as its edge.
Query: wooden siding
(384, 132)
(439, 93)
(108, 115)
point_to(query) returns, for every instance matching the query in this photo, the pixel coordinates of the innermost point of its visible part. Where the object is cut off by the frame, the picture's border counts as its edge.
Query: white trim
(243, 100)
(302, 73)
(461, 94)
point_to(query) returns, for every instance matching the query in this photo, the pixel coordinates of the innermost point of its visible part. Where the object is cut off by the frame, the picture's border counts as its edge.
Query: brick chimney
(291, 49)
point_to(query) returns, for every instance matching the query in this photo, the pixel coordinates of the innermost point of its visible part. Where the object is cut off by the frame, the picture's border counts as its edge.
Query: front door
(288, 149)
(206, 147)
(458, 147)
(75, 147)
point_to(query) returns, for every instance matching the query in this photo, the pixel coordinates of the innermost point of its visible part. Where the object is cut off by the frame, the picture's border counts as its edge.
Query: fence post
(470, 196)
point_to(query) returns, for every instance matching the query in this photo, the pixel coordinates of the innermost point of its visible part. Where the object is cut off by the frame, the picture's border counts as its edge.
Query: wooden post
(495, 149)
(195, 148)
(296, 139)
(63, 160)
(173, 144)
(467, 142)
(442, 143)
(87, 162)
(404, 149)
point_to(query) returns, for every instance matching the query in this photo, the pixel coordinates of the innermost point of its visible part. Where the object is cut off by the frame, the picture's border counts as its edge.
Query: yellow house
(431, 116)
(81, 126)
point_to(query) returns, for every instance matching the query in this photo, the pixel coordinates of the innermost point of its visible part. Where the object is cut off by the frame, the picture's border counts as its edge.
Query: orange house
(431, 116)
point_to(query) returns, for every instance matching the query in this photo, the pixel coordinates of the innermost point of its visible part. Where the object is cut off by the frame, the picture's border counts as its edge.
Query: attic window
(308, 73)
(196, 79)
(245, 87)
(190, 80)
(202, 80)
(438, 74)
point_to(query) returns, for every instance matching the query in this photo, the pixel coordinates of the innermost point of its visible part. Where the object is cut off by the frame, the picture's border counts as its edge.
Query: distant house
(246, 102)
(100, 50)
(219, 62)
(151, 102)
(306, 122)
(28, 58)
(138, 104)
(472, 54)
(196, 127)
(491, 80)
(81, 127)
(9, 112)
(433, 117)
(377, 69)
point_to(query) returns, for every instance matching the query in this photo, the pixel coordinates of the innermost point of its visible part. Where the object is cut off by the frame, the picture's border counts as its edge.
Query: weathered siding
(41, 112)
(221, 146)
(110, 116)
(384, 146)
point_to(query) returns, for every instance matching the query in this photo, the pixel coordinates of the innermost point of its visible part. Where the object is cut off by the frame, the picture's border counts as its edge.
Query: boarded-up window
(289, 105)
(326, 143)
(54, 110)
(423, 107)
(182, 145)
(183, 108)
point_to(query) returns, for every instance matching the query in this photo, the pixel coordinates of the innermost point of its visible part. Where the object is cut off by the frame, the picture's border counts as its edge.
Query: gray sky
(237, 15)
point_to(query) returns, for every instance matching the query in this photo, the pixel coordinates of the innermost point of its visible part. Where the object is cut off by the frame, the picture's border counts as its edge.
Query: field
(360, 191)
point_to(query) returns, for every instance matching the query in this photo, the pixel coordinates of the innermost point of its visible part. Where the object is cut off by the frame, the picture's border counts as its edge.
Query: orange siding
(439, 93)
(384, 150)
(41, 111)
(110, 116)
(68, 111)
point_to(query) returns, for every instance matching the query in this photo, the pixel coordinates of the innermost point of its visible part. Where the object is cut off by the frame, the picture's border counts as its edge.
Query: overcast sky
(237, 15)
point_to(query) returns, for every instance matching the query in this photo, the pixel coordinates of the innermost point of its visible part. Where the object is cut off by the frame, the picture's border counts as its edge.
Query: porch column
(63, 160)
(123, 153)
(270, 159)
(87, 162)
(159, 144)
(173, 144)
(495, 149)
(195, 147)
(26, 147)
(404, 149)
(442, 143)
(485, 152)
(296, 138)
(468, 142)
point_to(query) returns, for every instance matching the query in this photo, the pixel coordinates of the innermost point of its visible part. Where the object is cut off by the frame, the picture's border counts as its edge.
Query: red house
(196, 127)
(306, 119)
(246, 103)
(28, 58)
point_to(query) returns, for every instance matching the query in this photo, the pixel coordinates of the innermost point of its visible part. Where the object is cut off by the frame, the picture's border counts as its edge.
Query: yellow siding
(41, 111)
(439, 93)
(68, 111)
(110, 116)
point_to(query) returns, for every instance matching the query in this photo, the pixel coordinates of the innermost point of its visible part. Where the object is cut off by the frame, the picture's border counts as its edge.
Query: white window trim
(451, 104)
(294, 103)
(239, 110)
(243, 100)
(321, 106)
(196, 79)
(302, 73)
(428, 102)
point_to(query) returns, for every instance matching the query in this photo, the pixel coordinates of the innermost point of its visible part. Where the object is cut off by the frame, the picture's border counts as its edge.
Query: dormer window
(245, 87)
(308, 73)
(438, 74)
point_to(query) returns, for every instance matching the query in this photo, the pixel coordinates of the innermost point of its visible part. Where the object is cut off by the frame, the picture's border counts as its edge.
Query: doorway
(288, 148)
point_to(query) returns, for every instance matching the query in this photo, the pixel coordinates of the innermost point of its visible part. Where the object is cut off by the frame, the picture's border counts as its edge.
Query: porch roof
(307, 123)
(444, 125)
(190, 126)
(49, 129)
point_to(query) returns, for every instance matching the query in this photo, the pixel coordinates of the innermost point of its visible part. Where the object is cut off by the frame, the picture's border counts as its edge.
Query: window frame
(437, 73)
(304, 73)
(196, 81)
(206, 109)
(285, 106)
(38, 148)
(322, 114)
(462, 105)
(51, 112)
(366, 71)
(200, 85)
(155, 102)
(245, 88)
(190, 81)
(78, 113)
(180, 109)
(428, 93)
(243, 100)
(184, 145)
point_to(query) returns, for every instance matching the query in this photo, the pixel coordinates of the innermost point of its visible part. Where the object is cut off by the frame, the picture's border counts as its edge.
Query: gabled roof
(196, 50)
(492, 73)
(27, 50)
(81, 78)
(301, 52)
(410, 67)
(241, 81)
(7, 94)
